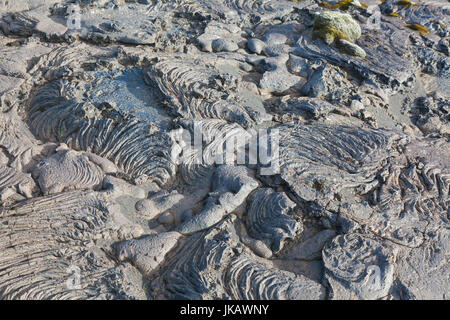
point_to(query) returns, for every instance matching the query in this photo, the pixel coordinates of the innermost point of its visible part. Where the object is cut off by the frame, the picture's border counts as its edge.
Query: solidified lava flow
(224, 149)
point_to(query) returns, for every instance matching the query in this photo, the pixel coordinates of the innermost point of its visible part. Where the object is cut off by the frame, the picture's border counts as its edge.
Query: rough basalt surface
(237, 149)
(269, 218)
(44, 239)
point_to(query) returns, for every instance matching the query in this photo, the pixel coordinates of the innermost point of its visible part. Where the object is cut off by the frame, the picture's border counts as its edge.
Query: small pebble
(206, 45)
(356, 106)
(255, 45)
(219, 45)
(351, 48)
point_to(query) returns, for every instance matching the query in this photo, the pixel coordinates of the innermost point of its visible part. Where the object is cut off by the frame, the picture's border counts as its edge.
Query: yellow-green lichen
(418, 28)
(344, 4)
(16, 43)
(331, 26)
(322, 185)
(328, 34)
(394, 14)
(406, 4)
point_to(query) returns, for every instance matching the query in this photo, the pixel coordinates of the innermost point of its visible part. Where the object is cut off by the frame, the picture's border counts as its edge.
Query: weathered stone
(333, 25)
